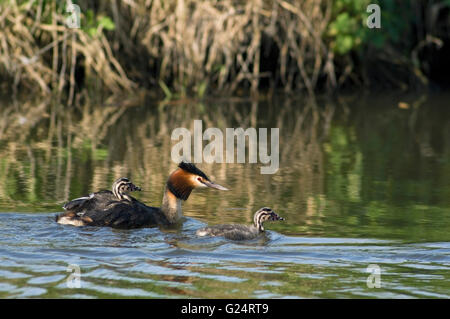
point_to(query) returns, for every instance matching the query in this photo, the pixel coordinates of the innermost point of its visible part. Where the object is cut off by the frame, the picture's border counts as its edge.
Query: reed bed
(183, 47)
(209, 44)
(197, 47)
(37, 50)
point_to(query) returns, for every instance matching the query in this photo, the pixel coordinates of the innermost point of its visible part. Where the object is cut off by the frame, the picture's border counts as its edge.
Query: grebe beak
(214, 185)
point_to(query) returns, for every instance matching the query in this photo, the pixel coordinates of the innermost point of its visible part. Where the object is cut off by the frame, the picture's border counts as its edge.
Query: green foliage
(201, 89)
(166, 90)
(347, 30)
(100, 154)
(93, 24)
(106, 22)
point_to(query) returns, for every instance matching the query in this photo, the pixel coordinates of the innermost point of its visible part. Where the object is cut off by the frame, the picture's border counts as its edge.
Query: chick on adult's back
(77, 208)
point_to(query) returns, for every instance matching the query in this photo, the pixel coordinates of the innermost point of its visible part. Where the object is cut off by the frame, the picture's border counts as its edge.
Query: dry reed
(36, 52)
(185, 47)
(192, 45)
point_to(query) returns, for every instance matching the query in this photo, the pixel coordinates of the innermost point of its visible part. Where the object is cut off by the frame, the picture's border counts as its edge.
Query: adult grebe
(242, 232)
(133, 213)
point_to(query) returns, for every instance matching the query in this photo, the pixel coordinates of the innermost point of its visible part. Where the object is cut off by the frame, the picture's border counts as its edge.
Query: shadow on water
(361, 181)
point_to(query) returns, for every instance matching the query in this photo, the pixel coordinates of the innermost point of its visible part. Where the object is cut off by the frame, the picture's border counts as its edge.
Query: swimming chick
(242, 232)
(133, 213)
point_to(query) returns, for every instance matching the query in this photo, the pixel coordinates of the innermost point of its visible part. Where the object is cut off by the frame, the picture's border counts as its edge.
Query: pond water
(363, 183)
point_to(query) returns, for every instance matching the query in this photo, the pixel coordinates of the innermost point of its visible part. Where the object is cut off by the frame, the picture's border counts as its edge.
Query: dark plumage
(242, 232)
(102, 199)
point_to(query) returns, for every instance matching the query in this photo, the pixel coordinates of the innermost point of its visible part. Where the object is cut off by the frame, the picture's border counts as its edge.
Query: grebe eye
(200, 179)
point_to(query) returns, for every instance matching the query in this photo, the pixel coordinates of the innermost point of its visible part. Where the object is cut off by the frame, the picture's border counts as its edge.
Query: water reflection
(349, 159)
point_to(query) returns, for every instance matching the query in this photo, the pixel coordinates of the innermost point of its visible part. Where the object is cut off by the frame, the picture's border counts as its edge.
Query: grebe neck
(171, 207)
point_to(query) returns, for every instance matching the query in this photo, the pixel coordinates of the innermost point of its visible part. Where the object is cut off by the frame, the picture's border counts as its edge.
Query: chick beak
(277, 217)
(135, 188)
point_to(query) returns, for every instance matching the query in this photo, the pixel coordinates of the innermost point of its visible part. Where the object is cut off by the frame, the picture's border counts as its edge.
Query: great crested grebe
(242, 232)
(133, 214)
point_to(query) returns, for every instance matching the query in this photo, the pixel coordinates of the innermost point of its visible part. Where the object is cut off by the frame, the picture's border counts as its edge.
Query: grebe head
(187, 177)
(265, 214)
(122, 186)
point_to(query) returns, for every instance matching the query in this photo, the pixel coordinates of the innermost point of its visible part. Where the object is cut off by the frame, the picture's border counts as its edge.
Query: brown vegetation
(196, 47)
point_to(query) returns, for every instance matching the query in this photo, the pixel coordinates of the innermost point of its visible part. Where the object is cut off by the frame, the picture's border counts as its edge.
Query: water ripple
(35, 253)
